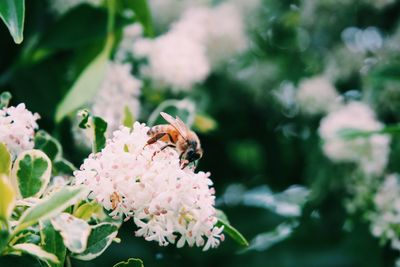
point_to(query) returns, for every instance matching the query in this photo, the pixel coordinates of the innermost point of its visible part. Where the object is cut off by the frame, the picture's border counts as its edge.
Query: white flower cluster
(17, 128)
(386, 217)
(137, 180)
(370, 153)
(202, 39)
(119, 90)
(63, 6)
(317, 96)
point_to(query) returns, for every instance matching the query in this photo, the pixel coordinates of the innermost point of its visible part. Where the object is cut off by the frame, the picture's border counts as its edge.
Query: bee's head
(194, 151)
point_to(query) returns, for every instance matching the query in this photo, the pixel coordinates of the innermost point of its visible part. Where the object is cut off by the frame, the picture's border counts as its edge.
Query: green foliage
(5, 98)
(8, 198)
(97, 127)
(86, 210)
(12, 12)
(5, 160)
(87, 84)
(100, 238)
(37, 252)
(129, 119)
(48, 144)
(130, 263)
(142, 14)
(74, 231)
(230, 230)
(50, 206)
(52, 242)
(31, 173)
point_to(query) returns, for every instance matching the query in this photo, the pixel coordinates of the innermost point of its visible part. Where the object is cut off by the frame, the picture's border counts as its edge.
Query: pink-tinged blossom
(132, 179)
(18, 127)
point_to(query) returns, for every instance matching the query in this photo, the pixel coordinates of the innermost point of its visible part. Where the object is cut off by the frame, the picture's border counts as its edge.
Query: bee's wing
(177, 123)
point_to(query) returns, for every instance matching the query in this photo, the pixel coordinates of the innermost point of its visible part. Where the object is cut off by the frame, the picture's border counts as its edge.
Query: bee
(177, 135)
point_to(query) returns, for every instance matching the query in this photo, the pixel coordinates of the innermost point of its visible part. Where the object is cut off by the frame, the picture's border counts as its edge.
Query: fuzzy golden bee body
(177, 135)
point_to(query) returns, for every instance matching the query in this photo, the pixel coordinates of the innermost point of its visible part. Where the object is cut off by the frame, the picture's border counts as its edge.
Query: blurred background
(254, 83)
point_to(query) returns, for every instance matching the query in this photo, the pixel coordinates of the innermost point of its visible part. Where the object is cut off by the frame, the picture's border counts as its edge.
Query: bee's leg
(155, 138)
(169, 145)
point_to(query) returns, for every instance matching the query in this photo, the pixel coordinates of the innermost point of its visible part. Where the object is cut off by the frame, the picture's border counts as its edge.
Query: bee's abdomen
(157, 129)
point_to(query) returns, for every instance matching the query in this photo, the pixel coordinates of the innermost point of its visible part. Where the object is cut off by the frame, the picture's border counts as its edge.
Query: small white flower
(17, 128)
(317, 96)
(137, 180)
(370, 153)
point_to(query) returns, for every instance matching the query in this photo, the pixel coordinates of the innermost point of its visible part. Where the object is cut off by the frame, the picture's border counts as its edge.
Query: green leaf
(129, 119)
(52, 242)
(5, 160)
(50, 206)
(75, 29)
(31, 173)
(12, 12)
(63, 166)
(74, 231)
(87, 84)
(130, 263)
(230, 230)
(48, 144)
(100, 238)
(5, 98)
(98, 128)
(4, 236)
(86, 210)
(37, 252)
(142, 14)
(7, 198)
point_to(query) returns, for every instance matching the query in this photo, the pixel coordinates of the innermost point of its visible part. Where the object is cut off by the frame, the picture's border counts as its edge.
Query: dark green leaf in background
(142, 14)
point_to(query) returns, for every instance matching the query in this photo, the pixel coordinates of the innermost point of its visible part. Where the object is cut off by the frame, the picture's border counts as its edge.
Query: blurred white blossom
(119, 90)
(63, 6)
(167, 204)
(220, 29)
(17, 128)
(317, 95)
(203, 38)
(362, 41)
(370, 153)
(174, 60)
(130, 33)
(386, 216)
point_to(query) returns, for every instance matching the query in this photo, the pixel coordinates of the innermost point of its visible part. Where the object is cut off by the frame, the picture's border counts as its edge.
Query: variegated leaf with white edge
(50, 206)
(100, 238)
(75, 232)
(31, 173)
(36, 251)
